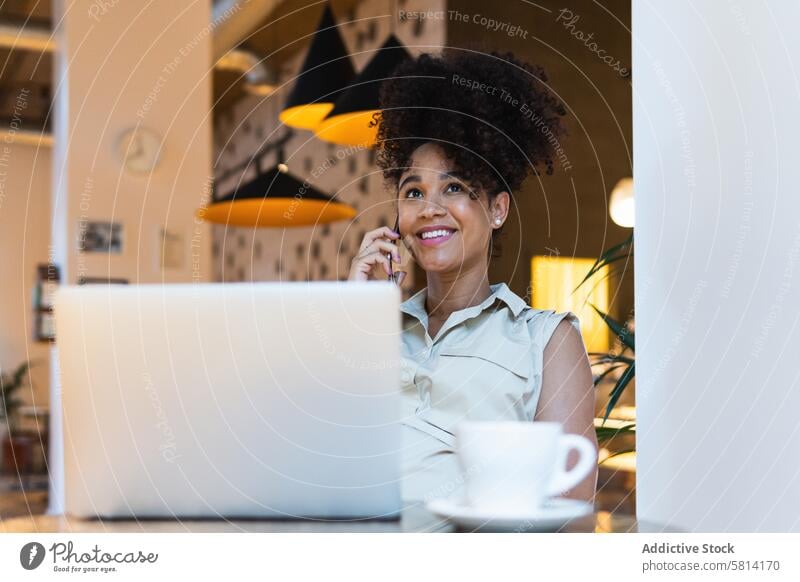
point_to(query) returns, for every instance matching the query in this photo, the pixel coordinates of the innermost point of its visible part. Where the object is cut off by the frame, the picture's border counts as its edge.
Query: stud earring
(497, 221)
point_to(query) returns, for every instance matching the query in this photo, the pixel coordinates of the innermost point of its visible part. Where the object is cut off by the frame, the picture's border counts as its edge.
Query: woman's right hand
(372, 259)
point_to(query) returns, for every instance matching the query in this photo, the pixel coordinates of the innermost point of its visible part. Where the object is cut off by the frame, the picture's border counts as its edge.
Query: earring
(497, 221)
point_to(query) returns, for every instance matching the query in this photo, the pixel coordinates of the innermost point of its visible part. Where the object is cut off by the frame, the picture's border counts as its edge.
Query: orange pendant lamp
(275, 198)
(325, 75)
(350, 122)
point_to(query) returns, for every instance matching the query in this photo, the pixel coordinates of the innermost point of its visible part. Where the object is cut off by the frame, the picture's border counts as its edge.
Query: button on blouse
(485, 363)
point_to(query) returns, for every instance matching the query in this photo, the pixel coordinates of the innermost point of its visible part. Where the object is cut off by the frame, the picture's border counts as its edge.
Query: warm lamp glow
(276, 198)
(277, 212)
(349, 129)
(349, 121)
(326, 73)
(554, 279)
(305, 116)
(621, 207)
(260, 90)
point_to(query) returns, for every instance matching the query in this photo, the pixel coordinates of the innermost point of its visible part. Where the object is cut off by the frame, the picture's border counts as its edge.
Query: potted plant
(611, 362)
(15, 446)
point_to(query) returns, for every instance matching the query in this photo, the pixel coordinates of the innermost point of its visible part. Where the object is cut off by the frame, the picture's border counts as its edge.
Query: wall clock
(139, 149)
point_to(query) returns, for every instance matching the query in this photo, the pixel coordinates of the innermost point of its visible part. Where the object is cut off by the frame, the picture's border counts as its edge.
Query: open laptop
(231, 400)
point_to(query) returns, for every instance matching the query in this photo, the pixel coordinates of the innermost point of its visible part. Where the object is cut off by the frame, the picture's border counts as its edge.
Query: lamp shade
(348, 123)
(278, 199)
(326, 73)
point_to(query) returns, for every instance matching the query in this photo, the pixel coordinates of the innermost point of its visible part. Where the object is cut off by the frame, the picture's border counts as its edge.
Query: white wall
(125, 65)
(120, 64)
(716, 129)
(24, 240)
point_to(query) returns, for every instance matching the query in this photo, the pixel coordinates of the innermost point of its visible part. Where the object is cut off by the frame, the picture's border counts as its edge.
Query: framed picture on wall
(102, 281)
(100, 237)
(48, 278)
(170, 249)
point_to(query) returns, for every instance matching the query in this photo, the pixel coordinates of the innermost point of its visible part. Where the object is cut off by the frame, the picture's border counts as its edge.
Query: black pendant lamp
(326, 73)
(348, 123)
(276, 198)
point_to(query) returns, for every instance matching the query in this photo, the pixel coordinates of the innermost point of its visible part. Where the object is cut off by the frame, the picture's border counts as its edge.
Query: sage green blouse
(485, 363)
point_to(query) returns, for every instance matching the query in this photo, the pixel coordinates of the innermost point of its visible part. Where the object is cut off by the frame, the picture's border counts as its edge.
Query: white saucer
(551, 517)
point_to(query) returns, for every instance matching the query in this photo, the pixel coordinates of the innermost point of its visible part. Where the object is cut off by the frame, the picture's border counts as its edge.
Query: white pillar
(120, 65)
(716, 138)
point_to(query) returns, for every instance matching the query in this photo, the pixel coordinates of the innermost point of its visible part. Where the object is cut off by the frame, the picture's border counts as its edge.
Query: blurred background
(156, 144)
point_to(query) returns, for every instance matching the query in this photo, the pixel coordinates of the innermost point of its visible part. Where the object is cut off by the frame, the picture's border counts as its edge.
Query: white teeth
(435, 233)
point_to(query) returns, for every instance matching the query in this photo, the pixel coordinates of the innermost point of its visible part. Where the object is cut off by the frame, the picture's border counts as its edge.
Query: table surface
(414, 519)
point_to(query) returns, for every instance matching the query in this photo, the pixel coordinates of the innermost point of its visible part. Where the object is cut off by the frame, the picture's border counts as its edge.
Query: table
(414, 519)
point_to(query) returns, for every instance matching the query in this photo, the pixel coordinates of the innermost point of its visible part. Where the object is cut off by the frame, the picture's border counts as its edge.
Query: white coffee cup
(514, 467)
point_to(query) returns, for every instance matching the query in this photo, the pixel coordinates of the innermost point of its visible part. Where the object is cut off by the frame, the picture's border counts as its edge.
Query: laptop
(234, 400)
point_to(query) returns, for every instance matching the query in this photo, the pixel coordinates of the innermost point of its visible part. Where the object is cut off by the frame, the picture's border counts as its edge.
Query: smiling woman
(471, 350)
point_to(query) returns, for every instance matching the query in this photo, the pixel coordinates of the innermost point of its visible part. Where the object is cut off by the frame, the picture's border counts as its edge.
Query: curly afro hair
(491, 113)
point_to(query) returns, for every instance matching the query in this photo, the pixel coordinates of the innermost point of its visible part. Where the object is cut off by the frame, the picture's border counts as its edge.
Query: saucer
(552, 516)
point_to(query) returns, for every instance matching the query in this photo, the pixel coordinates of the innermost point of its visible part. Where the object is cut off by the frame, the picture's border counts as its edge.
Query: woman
(459, 134)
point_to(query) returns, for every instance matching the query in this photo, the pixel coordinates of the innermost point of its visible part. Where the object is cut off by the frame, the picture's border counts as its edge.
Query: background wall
(323, 252)
(717, 245)
(585, 50)
(132, 66)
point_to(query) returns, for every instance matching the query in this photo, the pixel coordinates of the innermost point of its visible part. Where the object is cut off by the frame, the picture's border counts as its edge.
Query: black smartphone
(391, 271)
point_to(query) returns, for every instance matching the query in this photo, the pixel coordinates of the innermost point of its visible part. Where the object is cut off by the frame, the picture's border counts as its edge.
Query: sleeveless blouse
(485, 363)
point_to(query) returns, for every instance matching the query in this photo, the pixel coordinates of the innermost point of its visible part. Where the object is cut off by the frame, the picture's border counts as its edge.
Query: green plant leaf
(608, 359)
(617, 252)
(621, 331)
(8, 384)
(622, 383)
(19, 373)
(607, 274)
(606, 433)
(604, 373)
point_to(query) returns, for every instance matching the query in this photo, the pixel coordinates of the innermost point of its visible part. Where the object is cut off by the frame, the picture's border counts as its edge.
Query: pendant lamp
(621, 204)
(348, 123)
(278, 199)
(326, 73)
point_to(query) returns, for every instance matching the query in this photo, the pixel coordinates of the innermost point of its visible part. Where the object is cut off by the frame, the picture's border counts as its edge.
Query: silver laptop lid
(235, 400)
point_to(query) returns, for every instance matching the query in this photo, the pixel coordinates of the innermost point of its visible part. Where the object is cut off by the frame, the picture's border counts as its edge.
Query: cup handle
(564, 479)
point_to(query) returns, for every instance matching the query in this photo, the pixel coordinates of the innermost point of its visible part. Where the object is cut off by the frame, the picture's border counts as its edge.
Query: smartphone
(399, 241)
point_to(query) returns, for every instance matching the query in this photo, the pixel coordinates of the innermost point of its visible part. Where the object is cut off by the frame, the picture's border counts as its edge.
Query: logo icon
(31, 555)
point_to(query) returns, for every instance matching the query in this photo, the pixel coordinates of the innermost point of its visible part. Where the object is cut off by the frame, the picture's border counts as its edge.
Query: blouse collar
(415, 305)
